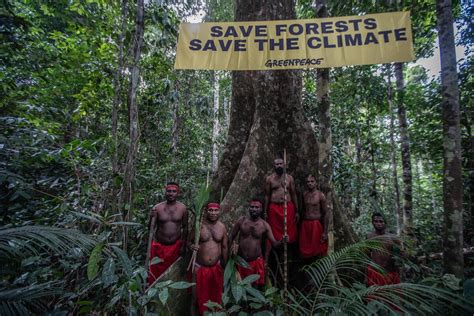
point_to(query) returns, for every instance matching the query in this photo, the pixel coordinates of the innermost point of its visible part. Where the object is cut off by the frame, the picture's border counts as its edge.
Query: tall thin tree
(134, 132)
(452, 179)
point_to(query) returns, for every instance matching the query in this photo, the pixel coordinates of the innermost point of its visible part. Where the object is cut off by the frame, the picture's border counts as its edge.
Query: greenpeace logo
(293, 62)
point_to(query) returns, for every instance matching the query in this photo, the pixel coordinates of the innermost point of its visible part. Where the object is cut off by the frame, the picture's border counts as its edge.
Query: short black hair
(377, 214)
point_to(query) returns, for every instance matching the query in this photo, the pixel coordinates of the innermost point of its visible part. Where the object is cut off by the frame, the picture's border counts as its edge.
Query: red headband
(256, 201)
(172, 186)
(213, 205)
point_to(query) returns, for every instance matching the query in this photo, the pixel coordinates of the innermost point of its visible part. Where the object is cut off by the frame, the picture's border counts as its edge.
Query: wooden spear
(285, 229)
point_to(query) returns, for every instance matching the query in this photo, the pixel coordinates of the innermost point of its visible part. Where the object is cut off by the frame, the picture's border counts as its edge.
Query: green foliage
(335, 290)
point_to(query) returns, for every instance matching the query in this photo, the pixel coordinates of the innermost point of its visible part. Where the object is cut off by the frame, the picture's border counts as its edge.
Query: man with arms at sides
(384, 259)
(211, 256)
(168, 225)
(252, 229)
(313, 241)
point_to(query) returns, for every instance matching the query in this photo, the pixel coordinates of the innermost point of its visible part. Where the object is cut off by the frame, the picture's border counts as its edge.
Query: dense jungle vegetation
(95, 121)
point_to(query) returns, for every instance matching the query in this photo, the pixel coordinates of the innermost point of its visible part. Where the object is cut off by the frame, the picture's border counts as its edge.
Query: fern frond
(32, 240)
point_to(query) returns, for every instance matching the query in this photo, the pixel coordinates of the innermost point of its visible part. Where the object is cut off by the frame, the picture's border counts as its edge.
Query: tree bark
(175, 127)
(134, 133)
(453, 259)
(405, 149)
(266, 117)
(393, 156)
(216, 126)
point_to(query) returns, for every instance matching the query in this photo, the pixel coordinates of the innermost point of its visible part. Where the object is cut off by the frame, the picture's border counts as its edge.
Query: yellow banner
(295, 44)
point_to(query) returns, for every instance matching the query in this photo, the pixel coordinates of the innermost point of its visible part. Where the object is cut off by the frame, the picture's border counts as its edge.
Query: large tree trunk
(452, 185)
(134, 133)
(405, 146)
(393, 156)
(266, 117)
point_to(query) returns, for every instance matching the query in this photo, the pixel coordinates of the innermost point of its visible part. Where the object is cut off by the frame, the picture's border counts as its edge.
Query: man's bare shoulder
(159, 206)
(221, 225)
(181, 205)
(270, 177)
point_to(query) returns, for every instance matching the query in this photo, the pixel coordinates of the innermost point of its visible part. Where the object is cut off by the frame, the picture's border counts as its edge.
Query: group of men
(169, 220)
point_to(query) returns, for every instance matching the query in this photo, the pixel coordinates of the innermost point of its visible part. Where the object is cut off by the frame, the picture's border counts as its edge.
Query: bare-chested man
(384, 259)
(274, 202)
(313, 230)
(252, 229)
(169, 226)
(212, 255)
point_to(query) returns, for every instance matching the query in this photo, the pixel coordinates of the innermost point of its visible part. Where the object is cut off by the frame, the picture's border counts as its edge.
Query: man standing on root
(313, 241)
(385, 259)
(211, 257)
(276, 185)
(252, 229)
(168, 226)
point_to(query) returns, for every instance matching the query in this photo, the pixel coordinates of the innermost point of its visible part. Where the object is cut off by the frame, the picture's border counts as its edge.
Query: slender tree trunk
(405, 147)
(393, 156)
(134, 133)
(216, 126)
(325, 144)
(358, 146)
(175, 127)
(118, 87)
(452, 185)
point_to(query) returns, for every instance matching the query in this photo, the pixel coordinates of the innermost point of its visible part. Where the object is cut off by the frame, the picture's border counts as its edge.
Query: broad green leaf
(94, 259)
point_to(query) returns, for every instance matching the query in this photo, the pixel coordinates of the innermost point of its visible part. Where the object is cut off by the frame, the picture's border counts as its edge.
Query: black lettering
(280, 28)
(240, 45)
(225, 45)
(371, 38)
(231, 31)
(216, 31)
(400, 34)
(341, 26)
(195, 44)
(210, 45)
(285, 63)
(353, 40)
(246, 31)
(298, 27)
(312, 28)
(275, 63)
(312, 44)
(370, 24)
(385, 35)
(327, 44)
(261, 43)
(260, 30)
(326, 27)
(292, 43)
(280, 63)
(339, 41)
(355, 23)
(277, 43)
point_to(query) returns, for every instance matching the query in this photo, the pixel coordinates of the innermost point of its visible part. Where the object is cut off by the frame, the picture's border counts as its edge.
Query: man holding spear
(209, 256)
(168, 225)
(281, 205)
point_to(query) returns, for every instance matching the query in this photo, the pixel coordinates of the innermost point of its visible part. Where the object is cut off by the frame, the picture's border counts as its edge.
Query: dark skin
(169, 220)
(275, 187)
(213, 241)
(383, 259)
(315, 206)
(252, 229)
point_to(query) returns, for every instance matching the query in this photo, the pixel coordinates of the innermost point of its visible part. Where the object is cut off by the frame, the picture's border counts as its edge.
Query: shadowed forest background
(95, 121)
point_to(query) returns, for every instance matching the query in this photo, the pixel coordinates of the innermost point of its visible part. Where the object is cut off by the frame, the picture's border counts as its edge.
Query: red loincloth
(275, 218)
(376, 278)
(167, 253)
(310, 239)
(256, 267)
(209, 285)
